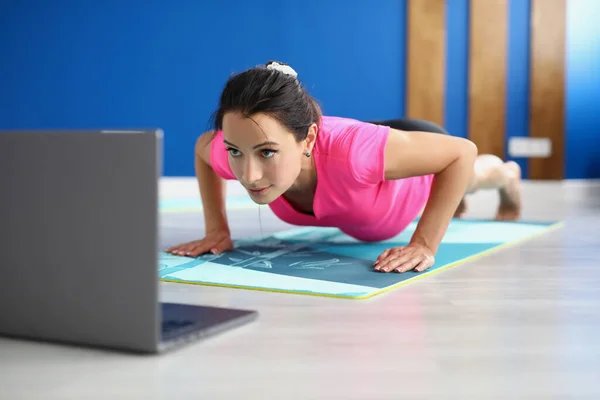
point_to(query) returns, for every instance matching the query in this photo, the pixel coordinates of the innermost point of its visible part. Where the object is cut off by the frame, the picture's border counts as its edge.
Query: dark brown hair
(273, 92)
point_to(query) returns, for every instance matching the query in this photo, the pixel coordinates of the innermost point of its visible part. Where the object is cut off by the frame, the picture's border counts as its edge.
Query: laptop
(79, 234)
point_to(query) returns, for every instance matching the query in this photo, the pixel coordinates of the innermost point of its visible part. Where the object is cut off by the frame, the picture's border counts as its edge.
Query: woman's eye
(233, 152)
(268, 153)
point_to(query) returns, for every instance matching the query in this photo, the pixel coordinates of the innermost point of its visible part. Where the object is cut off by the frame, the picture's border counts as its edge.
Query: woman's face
(264, 157)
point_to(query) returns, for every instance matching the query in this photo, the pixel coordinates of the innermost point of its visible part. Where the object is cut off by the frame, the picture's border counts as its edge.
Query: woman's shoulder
(337, 124)
(338, 134)
(358, 146)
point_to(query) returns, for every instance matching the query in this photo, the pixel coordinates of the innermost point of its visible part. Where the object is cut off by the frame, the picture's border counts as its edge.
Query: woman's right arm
(212, 186)
(212, 192)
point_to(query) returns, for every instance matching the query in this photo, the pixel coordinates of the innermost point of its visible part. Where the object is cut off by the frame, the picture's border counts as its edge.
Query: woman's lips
(259, 191)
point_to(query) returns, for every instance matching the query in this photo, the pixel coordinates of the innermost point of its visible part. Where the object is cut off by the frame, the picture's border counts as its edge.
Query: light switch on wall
(529, 147)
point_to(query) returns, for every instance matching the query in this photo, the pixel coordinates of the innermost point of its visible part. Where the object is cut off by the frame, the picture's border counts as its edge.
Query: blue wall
(517, 75)
(456, 104)
(583, 89)
(132, 63)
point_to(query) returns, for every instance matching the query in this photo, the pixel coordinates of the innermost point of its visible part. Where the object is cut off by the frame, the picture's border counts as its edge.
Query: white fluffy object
(286, 69)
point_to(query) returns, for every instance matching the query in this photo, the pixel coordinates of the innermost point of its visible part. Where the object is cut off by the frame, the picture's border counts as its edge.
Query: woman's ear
(311, 138)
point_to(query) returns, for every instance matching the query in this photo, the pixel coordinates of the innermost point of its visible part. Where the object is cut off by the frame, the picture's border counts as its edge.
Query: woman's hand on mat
(215, 242)
(415, 256)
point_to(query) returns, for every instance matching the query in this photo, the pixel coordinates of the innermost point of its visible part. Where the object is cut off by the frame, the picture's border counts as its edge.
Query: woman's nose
(252, 172)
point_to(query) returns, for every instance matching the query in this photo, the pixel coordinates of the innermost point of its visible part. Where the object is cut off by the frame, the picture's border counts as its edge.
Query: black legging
(408, 124)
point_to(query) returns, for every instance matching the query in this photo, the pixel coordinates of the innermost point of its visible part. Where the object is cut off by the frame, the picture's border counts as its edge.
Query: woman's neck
(306, 182)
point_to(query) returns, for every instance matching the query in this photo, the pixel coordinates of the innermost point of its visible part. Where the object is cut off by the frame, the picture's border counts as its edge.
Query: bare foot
(461, 209)
(510, 195)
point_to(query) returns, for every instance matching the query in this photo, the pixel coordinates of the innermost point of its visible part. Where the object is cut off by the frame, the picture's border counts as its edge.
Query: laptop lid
(79, 236)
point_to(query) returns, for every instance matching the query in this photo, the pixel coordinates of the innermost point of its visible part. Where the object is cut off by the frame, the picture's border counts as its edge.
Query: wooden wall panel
(426, 57)
(547, 91)
(487, 75)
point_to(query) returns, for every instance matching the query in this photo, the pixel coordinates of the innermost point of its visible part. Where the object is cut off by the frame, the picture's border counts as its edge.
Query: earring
(307, 154)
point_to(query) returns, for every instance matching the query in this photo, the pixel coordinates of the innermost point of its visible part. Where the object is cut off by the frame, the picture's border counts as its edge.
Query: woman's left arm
(451, 160)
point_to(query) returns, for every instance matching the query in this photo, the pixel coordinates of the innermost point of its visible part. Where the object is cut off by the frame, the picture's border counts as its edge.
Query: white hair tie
(286, 69)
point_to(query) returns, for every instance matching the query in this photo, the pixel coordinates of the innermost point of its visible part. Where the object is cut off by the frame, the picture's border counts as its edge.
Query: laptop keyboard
(175, 324)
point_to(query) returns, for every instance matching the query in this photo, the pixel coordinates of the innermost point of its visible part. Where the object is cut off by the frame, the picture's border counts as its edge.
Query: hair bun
(286, 69)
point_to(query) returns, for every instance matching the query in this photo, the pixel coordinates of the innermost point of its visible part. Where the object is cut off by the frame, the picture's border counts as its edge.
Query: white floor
(522, 323)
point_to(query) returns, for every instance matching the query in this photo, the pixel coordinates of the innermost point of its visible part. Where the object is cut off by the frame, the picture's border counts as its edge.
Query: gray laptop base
(79, 240)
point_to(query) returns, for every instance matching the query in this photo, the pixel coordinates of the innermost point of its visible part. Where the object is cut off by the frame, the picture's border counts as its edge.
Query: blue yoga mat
(326, 262)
